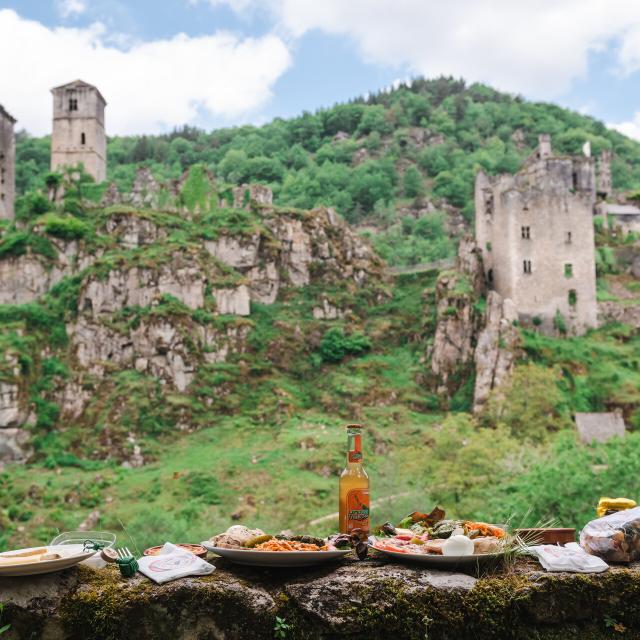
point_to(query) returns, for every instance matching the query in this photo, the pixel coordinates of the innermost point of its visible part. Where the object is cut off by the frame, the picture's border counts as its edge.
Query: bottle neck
(354, 447)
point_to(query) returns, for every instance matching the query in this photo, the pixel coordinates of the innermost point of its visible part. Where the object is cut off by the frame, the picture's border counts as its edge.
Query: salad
(432, 533)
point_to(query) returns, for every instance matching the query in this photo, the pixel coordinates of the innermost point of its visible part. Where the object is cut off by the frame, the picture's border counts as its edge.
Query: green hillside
(258, 438)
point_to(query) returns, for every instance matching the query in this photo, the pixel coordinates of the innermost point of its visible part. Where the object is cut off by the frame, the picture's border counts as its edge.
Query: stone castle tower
(7, 165)
(78, 129)
(535, 230)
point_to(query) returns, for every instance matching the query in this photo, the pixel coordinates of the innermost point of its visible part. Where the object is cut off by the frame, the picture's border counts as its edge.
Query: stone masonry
(78, 129)
(535, 230)
(7, 165)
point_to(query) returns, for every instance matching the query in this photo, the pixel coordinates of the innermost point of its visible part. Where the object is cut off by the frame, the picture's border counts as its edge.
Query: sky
(213, 63)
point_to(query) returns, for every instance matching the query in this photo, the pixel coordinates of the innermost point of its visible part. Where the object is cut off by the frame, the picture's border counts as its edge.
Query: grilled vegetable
(256, 540)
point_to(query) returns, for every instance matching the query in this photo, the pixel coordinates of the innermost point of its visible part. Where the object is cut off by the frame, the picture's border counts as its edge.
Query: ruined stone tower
(7, 165)
(535, 230)
(78, 129)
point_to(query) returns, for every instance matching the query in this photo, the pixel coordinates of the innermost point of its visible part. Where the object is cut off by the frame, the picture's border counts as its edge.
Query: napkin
(173, 562)
(572, 557)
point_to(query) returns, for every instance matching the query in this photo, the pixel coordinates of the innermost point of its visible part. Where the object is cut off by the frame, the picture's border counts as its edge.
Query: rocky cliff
(475, 338)
(165, 295)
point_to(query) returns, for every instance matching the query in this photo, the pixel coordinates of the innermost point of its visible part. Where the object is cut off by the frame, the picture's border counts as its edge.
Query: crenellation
(78, 135)
(535, 230)
(7, 164)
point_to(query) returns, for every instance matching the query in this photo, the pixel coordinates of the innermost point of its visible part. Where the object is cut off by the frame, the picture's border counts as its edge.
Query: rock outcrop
(468, 337)
(371, 599)
(497, 348)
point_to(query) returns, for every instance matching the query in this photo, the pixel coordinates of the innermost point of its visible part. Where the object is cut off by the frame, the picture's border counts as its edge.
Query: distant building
(599, 427)
(620, 217)
(535, 230)
(78, 129)
(7, 165)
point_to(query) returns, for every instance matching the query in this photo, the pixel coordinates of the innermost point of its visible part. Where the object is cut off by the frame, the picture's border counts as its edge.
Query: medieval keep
(535, 230)
(78, 129)
(7, 165)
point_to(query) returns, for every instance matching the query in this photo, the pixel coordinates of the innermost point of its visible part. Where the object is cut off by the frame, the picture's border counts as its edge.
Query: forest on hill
(248, 396)
(379, 160)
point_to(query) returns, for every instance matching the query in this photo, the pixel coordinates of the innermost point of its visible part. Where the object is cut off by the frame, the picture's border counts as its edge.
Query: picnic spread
(426, 540)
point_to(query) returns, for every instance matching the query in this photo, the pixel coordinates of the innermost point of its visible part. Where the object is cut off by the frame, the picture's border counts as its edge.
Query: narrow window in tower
(83, 139)
(573, 297)
(568, 238)
(568, 270)
(526, 233)
(574, 180)
(526, 266)
(73, 104)
(490, 276)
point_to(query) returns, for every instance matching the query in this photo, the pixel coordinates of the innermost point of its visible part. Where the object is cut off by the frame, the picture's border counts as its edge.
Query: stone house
(78, 134)
(535, 230)
(620, 217)
(7, 165)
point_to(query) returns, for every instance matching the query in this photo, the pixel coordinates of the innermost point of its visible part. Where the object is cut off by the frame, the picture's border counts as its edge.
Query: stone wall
(373, 599)
(7, 165)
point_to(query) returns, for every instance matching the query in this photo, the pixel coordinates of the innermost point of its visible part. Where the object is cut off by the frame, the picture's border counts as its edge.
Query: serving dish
(70, 555)
(438, 561)
(255, 558)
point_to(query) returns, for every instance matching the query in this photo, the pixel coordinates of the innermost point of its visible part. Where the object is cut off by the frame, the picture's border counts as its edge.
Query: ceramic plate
(276, 558)
(71, 554)
(437, 561)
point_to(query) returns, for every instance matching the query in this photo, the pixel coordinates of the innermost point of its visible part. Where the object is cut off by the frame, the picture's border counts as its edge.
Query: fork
(127, 564)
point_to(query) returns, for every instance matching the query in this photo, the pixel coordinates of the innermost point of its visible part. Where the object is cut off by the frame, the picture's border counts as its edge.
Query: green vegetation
(258, 437)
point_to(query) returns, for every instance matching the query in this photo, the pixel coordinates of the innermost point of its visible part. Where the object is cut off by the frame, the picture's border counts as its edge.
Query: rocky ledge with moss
(370, 599)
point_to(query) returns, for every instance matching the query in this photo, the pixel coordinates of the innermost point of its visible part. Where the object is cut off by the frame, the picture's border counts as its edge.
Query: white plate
(276, 558)
(437, 561)
(71, 554)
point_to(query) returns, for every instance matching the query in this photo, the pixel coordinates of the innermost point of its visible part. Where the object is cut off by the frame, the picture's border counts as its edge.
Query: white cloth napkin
(173, 562)
(571, 557)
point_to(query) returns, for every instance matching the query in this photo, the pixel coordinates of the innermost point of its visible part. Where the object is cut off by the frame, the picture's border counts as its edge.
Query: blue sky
(225, 62)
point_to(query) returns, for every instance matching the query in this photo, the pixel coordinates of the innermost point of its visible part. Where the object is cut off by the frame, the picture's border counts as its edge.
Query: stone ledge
(371, 599)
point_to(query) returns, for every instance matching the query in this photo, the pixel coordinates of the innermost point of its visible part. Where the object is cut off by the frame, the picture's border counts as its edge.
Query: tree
(413, 185)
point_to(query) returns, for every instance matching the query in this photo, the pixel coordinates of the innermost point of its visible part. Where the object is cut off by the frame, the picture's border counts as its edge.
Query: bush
(335, 345)
(67, 227)
(31, 206)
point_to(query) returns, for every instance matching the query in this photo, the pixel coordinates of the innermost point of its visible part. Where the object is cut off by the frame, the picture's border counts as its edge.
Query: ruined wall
(535, 230)
(78, 134)
(7, 165)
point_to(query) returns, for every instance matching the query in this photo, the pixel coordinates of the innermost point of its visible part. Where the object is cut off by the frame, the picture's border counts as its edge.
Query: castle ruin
(7, 165)
(535, 230)
(78, 135)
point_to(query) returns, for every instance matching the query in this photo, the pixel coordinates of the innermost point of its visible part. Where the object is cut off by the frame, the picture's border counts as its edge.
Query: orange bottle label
(358, 510)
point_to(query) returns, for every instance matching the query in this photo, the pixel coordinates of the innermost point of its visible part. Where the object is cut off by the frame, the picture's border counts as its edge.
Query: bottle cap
(354, 426)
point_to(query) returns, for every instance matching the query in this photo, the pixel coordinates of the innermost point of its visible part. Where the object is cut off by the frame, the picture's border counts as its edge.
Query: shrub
(31, 205)
(559, 323)
(335, 345)
(67, 227)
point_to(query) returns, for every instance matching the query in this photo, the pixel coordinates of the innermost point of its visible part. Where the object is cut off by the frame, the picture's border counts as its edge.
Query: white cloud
(537, 47)
(630, 128)
(149, 87)
(71, 7)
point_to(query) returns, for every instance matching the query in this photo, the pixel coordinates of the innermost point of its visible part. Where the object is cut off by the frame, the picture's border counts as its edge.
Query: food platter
(70, 555)
(255, 558)
(437, 561)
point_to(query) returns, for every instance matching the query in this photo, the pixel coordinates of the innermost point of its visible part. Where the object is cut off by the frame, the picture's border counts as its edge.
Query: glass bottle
(354, 485)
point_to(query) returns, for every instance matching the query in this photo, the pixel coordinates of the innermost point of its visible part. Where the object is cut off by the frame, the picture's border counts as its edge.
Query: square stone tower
(7, 165)
(78, 129)
(535, 230)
